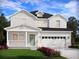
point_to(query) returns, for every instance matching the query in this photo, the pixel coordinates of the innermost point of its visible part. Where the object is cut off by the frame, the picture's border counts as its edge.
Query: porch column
(26, 39)
(7, 39)
(39, 40)
(69, 40)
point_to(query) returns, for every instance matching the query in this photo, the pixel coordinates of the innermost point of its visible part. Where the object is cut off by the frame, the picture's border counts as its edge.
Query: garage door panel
(57, 42)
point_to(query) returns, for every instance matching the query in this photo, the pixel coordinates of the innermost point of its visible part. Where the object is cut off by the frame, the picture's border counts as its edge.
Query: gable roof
(59, 15)
(46, 15)
(24, 11)
(22, 26)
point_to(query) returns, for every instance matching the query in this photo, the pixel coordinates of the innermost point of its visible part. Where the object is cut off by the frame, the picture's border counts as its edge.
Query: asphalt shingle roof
(46, 15)
(54, 29)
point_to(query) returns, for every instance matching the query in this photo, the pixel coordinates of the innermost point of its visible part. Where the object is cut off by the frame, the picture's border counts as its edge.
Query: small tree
(2, 38)
(3, 24)
(72, 24)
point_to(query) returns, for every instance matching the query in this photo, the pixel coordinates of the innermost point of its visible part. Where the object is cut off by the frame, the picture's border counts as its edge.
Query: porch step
(32, 48)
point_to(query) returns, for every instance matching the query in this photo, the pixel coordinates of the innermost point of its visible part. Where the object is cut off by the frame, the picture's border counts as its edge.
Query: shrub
(48, 51)
(57, 53)
(74, 47)
(3, 47)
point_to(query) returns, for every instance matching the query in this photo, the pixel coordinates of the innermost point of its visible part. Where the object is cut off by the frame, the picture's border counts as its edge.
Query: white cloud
(10, 4)
(68, 9)
(72, 6)
(17, 5)
(43, 6)
(30, 1)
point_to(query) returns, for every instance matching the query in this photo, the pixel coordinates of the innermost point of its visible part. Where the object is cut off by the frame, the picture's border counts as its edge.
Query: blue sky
(66, 8)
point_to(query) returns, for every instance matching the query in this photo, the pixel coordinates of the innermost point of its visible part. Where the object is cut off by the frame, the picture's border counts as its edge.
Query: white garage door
(55, 42)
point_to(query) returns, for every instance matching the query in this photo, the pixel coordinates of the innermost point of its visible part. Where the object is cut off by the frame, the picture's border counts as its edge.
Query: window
(64, 37)
(58, 37)
(17, 35)
(58, 23)
(53, 37)
(43, 37)
(61, 37)
(49, 37)
(21, 36)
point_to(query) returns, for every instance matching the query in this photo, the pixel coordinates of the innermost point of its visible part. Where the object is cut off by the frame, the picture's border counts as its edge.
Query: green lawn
(23, 54)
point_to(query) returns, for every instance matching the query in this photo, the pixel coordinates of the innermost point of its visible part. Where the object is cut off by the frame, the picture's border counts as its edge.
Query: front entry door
(32, 39)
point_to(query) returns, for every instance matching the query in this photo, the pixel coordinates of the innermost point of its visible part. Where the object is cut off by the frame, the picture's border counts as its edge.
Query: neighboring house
(37, 29)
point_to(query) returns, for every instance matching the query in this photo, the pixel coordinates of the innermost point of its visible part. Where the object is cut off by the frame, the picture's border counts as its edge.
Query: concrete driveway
(70, 53)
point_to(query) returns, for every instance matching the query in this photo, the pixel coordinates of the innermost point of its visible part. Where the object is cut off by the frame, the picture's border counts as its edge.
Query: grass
(24, 54)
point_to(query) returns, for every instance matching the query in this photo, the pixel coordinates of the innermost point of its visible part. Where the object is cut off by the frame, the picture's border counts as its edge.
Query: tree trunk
(72, 39)
(1, 38)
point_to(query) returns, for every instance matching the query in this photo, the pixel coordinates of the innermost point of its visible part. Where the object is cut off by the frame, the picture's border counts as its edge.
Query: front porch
(22, 39)
(22, 36)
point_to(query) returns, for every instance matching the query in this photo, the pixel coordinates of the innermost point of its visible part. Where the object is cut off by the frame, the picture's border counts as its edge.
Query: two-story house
(37, 29)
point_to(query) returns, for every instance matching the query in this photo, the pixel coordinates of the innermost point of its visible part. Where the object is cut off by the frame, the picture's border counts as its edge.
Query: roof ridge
(46, 15)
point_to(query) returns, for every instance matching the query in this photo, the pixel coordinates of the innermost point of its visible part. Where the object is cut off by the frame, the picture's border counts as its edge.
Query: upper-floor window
(58, 23)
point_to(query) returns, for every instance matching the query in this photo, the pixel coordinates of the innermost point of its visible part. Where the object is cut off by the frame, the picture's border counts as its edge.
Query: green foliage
(72, 24)
(57, 53)
(2, 38)
(49, 52)
(3, 23)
